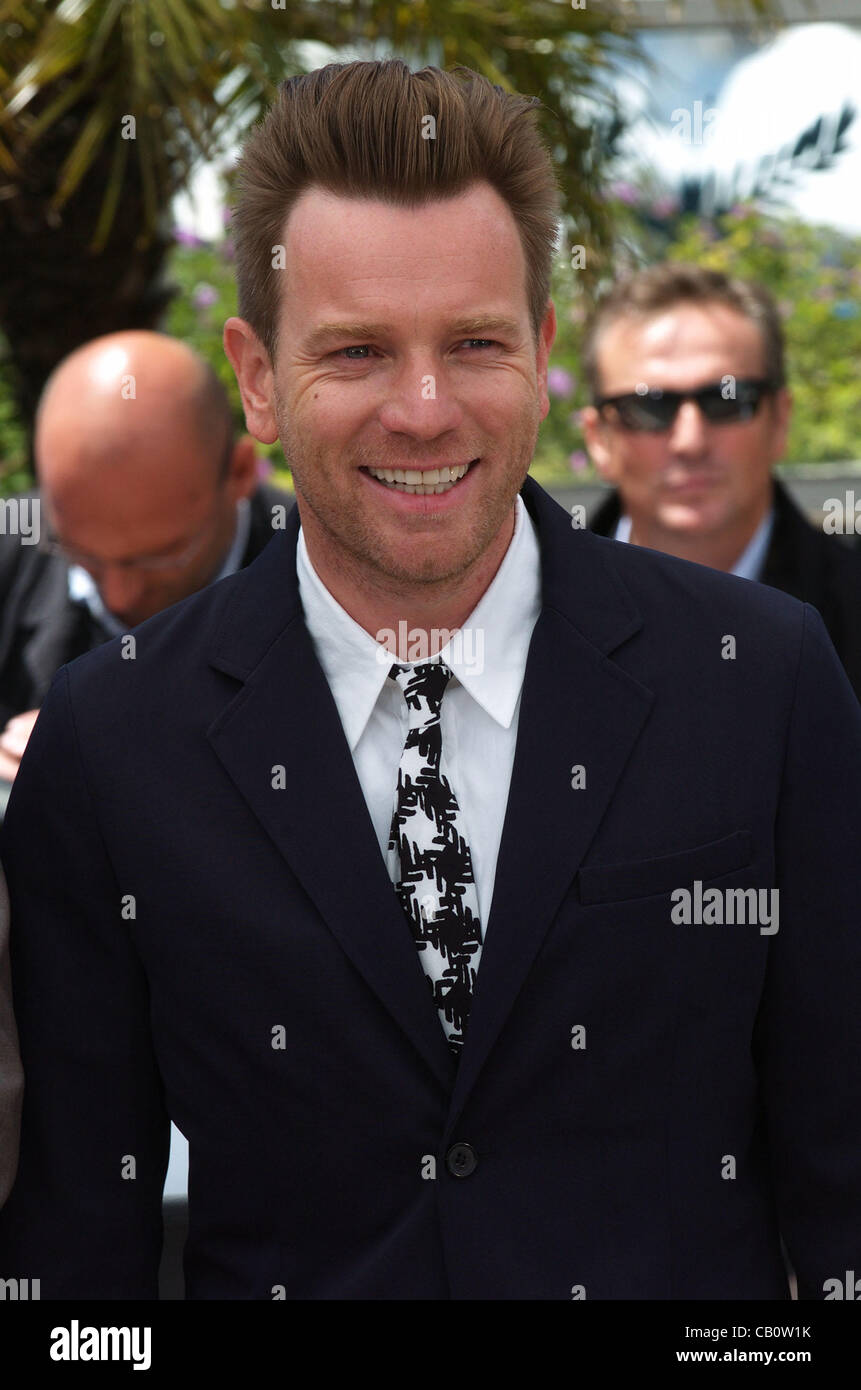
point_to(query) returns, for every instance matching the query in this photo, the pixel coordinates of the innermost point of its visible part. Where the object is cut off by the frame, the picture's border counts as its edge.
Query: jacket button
(461, 1160)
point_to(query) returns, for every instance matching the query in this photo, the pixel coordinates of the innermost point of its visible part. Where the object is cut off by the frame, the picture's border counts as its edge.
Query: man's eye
(340, 352)
(366, 347)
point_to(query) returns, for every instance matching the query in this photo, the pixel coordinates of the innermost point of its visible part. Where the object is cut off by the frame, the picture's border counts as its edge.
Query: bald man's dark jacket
(650, 1096)
(41, 628)
(802, 561)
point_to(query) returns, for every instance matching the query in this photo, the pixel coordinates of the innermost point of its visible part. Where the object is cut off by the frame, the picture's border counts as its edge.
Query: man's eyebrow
(479, 325)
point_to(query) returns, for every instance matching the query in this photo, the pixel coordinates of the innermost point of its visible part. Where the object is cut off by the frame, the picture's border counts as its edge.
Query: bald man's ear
(242, 477)
(250, 361)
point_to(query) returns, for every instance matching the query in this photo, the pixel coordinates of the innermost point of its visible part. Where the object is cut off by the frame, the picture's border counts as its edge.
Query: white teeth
(413, 480)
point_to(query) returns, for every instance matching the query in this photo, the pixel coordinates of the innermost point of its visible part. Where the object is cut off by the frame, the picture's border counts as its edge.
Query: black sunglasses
(721, 403)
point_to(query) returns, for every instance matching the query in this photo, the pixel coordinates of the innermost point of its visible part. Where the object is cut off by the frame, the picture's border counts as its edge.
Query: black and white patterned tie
(430, 857)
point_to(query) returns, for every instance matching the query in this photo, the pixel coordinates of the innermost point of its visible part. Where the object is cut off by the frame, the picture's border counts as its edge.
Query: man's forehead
(346, 257)
(678, 333)
(317, 208)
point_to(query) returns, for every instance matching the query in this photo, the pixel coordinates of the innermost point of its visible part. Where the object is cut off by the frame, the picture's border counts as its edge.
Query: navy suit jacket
(651, 1105)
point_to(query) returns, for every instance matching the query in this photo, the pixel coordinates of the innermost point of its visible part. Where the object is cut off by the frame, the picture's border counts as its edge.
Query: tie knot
(423, 685)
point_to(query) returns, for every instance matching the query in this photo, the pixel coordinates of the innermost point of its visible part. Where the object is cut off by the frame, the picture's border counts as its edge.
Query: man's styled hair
(648, 292)
(361, 129)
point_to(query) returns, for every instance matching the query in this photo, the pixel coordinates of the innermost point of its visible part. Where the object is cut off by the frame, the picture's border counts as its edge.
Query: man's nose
(121, 588)
(420, 400)
(689, 434)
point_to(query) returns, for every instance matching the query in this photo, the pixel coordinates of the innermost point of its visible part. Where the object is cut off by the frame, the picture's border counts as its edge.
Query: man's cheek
(641, 471)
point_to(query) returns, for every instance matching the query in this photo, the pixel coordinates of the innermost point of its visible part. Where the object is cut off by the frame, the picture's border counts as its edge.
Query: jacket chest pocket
(644, 878)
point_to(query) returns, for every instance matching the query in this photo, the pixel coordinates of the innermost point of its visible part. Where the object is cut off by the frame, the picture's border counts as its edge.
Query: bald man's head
(137, 467)
(126, 401)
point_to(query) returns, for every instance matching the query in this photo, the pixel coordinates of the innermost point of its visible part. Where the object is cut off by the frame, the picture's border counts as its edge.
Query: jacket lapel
(285, 717)
(577, 708)
(57, 629)
(794, 561)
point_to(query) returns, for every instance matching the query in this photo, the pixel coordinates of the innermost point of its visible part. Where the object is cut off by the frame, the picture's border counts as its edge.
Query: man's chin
(684, 519)
(420, 570)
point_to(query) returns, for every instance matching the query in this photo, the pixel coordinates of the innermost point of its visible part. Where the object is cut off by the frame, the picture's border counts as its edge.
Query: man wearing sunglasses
(144, 498)
(690, 414)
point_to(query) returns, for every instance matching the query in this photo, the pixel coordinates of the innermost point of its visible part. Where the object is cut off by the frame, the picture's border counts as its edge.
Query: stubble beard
(360, 547)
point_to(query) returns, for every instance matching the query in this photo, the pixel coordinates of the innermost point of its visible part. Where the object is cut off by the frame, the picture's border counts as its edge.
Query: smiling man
(393, 940)
(408, 436)
(690, 414)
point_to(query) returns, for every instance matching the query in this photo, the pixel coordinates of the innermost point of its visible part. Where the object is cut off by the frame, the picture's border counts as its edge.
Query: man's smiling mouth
(421, 482)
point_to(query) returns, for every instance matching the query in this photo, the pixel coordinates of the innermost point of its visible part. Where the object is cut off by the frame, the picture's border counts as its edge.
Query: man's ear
(781, 416)
(546, 338)
(250, 362)
(595, 435)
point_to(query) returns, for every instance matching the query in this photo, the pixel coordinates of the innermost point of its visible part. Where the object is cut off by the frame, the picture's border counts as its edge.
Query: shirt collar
(748, 565)
(487, 655)
(82, 588)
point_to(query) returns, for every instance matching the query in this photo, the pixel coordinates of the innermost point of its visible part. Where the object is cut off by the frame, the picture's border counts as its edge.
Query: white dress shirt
(750, 562)
(480, 708)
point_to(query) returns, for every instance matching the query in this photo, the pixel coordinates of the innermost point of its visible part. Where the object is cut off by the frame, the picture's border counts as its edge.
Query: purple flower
(625, 192)
(560, 382)
(204, 296)
(226, 249)
(667, 206)
(578, 461)
(263, 468)
(186, 238)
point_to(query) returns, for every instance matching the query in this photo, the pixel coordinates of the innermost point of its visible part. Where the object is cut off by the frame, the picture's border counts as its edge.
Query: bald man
(145, 497)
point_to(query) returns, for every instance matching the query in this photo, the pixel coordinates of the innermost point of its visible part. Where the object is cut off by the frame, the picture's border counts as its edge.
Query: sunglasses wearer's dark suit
(801, 560)
(647, 1105)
